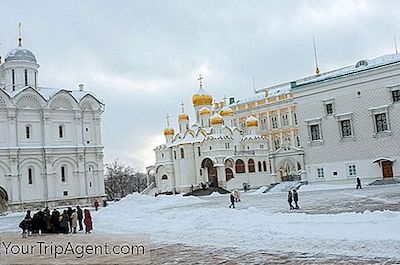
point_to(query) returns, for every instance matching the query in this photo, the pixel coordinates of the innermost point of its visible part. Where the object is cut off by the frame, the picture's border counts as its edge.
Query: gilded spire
(19, 35)
(395, 44)
(200, 80)
(316, 59)
(167, 119)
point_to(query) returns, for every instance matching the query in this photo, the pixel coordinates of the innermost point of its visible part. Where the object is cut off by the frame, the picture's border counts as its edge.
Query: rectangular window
(199, 150)
(30, 176)
(295, 118)
(174, 154)
(274, 123)
(315, 132)
(352, 170)
(320, 172)
(345, 128)
(285, 120)
(182, 153)
(329, 108)
(65, 193)
(396, 95)
(63, 174)
(381, 122)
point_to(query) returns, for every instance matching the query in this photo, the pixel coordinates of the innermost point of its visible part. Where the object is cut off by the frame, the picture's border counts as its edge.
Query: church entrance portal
(228, 174)
(212, 172)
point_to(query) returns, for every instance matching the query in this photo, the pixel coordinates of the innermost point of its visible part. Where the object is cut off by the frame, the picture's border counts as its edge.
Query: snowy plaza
(335, 223)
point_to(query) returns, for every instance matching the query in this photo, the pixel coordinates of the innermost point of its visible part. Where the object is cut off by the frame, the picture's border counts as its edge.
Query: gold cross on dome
(19, 35)
(183, 107)
(200, 80)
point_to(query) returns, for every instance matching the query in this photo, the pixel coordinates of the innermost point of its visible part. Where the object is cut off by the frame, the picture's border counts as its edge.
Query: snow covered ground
(332, 221)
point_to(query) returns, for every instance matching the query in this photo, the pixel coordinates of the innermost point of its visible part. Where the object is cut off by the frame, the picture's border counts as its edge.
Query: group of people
(293, 196)
(55, 222)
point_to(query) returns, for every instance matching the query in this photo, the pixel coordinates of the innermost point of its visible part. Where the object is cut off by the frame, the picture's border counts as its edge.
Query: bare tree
(121, 180)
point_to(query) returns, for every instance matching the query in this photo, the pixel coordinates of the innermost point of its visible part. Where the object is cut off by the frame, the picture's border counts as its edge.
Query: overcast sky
(142, 58)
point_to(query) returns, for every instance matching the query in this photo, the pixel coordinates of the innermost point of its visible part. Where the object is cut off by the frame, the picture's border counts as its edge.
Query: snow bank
(192, 221)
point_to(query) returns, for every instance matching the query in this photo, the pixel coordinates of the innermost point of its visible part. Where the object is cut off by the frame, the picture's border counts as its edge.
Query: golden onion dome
(183, 117)
(169, 131)
(216, 119)
(226, 111)
(205, 111)
(251, 122)
(202, 98)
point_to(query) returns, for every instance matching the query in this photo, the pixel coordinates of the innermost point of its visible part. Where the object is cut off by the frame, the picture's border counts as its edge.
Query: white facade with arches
(214, 151)
(50, 139)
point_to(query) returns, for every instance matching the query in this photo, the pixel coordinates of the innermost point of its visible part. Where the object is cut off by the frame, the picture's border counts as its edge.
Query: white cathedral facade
(215, 151)
(50, 139)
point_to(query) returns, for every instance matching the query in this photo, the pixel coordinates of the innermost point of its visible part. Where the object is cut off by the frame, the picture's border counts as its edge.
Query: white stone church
(50, 139)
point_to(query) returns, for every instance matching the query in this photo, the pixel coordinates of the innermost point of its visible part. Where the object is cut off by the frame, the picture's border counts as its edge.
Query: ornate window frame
(309, 123)
(326, 102)
(380, 110)
(343, 117)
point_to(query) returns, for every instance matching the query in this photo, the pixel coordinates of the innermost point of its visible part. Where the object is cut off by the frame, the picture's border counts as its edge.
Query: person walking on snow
(358, 183)
(290, 199)
(295, 198)
(232, 198)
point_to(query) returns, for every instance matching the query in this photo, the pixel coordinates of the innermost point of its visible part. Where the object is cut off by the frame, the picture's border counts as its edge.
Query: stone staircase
(208, 191)
(387, 181)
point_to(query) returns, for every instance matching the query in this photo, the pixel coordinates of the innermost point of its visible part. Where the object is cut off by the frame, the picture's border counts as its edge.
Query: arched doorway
(211, 172)
(228, 174)
(3, 199)
(287, 172)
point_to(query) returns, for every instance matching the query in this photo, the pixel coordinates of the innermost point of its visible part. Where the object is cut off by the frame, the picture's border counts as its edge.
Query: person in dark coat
(232, 198)
(35, 223)
(55, 221)
(80, 217)
(88, 221)
(295, 198)
(64, 221)
(358, 183)
(69, 211)
(290, 199)
(25, 224)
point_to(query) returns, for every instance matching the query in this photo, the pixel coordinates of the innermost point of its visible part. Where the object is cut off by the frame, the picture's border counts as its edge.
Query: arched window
(239, 166)
(26, 77)
(61, 131)
(251, 166)
(13, 79)
(28, 132)
(164, 177)
(259, 166)
(264, 166)
(35, 80)
(30, 175)
(63, 173)
(182, 153)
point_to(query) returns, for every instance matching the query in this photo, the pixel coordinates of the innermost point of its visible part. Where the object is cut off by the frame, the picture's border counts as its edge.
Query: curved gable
(62, 100)
(89, 102)
(29, 98)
